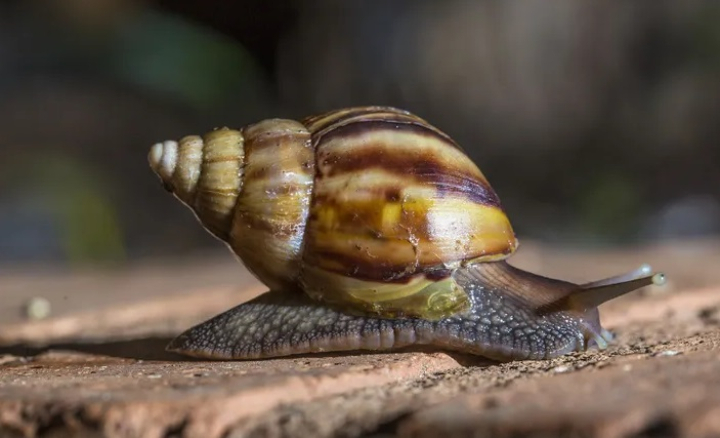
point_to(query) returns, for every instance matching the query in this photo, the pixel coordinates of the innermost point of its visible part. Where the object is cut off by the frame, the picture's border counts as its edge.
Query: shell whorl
(391, 183)
(397, 207)
(271, 211)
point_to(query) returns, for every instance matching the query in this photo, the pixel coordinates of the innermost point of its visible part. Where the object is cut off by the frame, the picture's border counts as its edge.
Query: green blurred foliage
(609, 207)
(78, 198)
(169, 55)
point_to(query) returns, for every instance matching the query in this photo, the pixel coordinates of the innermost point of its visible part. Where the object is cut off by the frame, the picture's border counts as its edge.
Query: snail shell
(373, 230)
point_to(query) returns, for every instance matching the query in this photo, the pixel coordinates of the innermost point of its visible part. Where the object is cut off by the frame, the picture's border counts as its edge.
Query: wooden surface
(96, 366)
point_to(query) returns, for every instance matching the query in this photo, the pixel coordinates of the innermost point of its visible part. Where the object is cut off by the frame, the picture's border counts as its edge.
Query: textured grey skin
(498, 326)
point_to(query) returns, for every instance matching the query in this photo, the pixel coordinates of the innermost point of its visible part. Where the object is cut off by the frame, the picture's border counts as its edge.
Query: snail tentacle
(593, 294)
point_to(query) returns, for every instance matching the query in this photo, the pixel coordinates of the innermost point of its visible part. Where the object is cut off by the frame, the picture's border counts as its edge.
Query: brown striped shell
(370, 208)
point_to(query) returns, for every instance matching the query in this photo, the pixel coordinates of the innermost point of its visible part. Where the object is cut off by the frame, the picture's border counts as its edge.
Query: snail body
(373, 231)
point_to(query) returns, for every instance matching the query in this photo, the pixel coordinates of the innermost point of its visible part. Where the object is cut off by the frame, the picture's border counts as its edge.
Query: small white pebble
(7, 358)
(627, 367)
(561, 369)
(668, 353)
(154, 376)
(37, 308)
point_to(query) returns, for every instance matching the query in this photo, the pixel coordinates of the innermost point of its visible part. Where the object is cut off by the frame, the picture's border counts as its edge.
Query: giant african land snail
(373, 231)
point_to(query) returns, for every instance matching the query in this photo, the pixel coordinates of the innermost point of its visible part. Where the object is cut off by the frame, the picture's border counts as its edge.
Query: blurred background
(597, 123)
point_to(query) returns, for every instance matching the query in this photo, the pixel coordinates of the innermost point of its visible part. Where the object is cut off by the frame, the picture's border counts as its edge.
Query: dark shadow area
(152, 348)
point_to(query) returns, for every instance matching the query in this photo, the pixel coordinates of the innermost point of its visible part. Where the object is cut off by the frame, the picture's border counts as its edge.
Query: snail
(373, 230)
